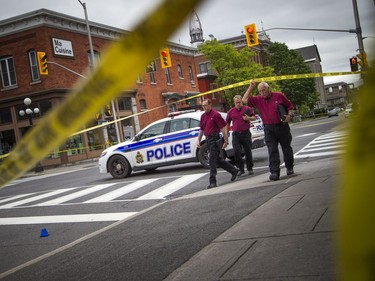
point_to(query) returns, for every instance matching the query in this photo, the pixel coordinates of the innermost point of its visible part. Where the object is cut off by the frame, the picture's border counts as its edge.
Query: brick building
(65, 41)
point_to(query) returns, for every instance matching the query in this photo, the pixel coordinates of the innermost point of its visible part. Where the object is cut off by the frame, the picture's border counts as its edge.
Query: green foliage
(232, 66)
(301, 92)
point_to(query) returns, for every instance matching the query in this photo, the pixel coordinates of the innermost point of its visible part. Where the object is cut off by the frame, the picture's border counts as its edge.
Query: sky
(226, 18)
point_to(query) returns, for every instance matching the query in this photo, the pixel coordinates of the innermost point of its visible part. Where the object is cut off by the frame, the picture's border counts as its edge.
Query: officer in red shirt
(240, 116)
(211, 124)
(276, 112)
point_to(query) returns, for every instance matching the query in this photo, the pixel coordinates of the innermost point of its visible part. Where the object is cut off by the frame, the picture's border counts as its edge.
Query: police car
(169, 141)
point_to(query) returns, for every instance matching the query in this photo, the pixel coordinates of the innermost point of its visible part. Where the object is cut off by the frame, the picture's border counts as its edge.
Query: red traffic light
(163, 53)
(250, 29)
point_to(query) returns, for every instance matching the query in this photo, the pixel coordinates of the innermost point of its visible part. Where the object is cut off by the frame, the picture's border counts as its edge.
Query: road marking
(76, 195)
(35, 198)
(15, 197)
(171, 187)
(66, 218)
(317, 147)
(120, 191)
(306, 135)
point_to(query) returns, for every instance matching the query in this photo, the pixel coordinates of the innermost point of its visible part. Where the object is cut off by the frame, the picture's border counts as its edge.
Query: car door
(149, 146)
(182, 139)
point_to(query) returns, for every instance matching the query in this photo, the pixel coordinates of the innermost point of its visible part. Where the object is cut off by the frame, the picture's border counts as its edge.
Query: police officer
(240, 116)
(211, 123)
(276, 112)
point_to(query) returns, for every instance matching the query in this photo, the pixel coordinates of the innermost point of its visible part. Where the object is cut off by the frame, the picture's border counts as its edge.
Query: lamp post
(88, 34)
(29, 112)
(105, 133)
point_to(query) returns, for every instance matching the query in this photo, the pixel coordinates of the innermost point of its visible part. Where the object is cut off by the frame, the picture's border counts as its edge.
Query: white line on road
(171, 187)
(120, 191)
(35, 198)
(66, 218)
(75, 195)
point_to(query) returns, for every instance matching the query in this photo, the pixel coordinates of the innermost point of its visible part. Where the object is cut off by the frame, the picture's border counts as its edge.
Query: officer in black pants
(276, 111)
(240, 117)
(210, 125)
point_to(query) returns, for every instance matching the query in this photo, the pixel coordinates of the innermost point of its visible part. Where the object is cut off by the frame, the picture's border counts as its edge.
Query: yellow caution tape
(239, 84)
(118, 70)
(356, 228)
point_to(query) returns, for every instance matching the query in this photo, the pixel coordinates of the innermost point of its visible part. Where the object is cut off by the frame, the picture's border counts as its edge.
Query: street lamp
(29, 112)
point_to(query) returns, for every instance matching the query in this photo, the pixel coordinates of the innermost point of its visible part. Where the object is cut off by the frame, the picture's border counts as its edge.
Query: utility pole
(358, 29)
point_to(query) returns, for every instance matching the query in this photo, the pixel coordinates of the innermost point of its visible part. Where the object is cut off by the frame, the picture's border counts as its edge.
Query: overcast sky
(226, 18)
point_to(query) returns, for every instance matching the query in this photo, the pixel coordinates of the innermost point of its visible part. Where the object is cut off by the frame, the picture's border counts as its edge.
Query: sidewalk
(290, 237)
(66, 168)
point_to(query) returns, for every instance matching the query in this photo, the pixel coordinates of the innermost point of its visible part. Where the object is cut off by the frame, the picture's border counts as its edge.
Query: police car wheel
(203, 156)
(119, 167)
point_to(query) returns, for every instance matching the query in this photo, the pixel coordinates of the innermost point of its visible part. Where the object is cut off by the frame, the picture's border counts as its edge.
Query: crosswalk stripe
(318, 147)
(35, 198)
(327, 153)
(15, 197)
(171, 187)
(120, 191)
(75, 195)
(308, 149)
(66, 218)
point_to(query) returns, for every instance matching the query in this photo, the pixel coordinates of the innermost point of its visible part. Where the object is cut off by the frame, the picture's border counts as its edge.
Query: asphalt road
(150, 239)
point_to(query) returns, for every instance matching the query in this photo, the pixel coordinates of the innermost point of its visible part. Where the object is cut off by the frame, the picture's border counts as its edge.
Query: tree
(232, 66)
(301, 92)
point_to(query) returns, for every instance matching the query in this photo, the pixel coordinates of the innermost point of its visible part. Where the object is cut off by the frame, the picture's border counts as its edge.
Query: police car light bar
(176, 113)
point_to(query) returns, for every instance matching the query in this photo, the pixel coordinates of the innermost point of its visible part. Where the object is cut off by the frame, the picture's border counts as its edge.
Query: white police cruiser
(169, 141)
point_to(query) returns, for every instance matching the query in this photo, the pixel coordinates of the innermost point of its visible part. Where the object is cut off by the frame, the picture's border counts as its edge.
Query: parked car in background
(166, 142)
(348, 110)
(333, 112)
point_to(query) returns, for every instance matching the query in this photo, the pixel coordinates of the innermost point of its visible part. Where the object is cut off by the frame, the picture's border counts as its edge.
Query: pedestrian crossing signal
(42, 63)
(251, 35)
(165, 58)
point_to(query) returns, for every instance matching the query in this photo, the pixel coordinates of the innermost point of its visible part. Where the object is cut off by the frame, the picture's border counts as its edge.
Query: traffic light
(151, 67)
(108, 111)
(251, 35)
(165, 58)
(353, 64)
(362, 60)
(42, 63)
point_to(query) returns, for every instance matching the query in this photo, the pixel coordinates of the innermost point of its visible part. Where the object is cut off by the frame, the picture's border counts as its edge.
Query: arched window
(179, 70)
(191, 75)
(168, 76)
(143, 105)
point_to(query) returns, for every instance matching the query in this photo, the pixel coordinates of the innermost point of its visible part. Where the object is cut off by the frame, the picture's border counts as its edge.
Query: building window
(139, 79)
(33, 66)
(152, 77)
(74, 145)
(179, 70)
(8, 74)
(124, 104)
(142, 104)
(7, 141)
(340, 88)
(168, 76)
(5, 116)
(191, 75)
(205, 67)
(96, 58)
(44, 107)
(330, 90)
